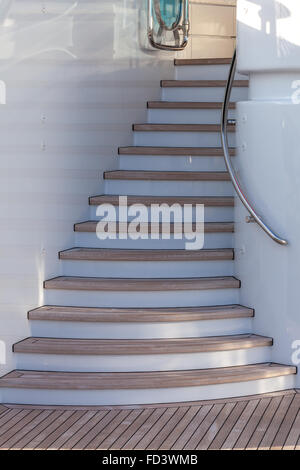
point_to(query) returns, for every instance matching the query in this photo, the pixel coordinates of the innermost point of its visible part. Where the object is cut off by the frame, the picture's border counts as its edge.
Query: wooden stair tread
(175, 151)
(212, 201)
(141, 284)
(180, 127)
(117, 347)
(106, 254)
(167, 175)
(201, 83)
(141, 380)
(209, 61)
(209, 227)
(106, 314)
(187, 105)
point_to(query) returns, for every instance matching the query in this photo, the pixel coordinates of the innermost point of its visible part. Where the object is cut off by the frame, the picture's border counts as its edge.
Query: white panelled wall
(76, 78)
(268, 161)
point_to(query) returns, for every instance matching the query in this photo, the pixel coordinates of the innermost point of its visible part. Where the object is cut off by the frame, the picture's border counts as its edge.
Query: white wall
(269, 169)
(76, 79)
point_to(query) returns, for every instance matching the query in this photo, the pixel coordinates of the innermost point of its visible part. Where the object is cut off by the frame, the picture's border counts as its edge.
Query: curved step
(174, 151)
(140, 380)
(209, 227)
(141, 285)
(209, 61)
(113, 347)
(140, 315)
(167, 175)
(69, 388)
(180, 128)
(223, 201)
(201, 83)
(187, 105)
(104, 254)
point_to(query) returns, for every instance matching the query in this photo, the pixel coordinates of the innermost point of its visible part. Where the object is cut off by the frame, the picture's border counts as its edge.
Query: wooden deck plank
(275, 424)
(286, 424)
(36, 426)
(152, 433)
(240, 425)
(179, 429)
(144, 429)
(93, 429)
(63, 438)
(271, 421)
(216, 426)
(165, 430)
(51, 437)
(135, 422)
(114, 426)
(223, 433)
(84, 430)
(264, 423)
(191, 427)
(200, 431)
(294, 434)
(247, 433)
(9, 436)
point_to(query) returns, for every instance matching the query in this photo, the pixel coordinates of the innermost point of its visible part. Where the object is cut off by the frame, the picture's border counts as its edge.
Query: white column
(268, 164)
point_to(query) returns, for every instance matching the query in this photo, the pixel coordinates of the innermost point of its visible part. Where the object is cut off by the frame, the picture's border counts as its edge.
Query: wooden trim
(187, 105)
(175, 151)
(212, 61)
(167, 175)
(121, 347)
(107, 254)
(180, 128)
(211, 201)
(142, 380)
(201, 83)
(90, 226)
(139, 315)
(140, 285)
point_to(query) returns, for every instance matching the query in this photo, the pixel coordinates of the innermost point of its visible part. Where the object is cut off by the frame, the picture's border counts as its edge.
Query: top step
(201, 83)
(220, 61)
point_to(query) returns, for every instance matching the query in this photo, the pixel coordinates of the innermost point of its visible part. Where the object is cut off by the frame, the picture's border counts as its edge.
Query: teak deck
(262, 422)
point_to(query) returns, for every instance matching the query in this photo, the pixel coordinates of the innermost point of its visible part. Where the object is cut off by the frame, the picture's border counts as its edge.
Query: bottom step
(74, 388)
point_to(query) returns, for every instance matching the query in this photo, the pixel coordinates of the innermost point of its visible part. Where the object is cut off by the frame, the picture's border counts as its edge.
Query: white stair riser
(205, 72)
(211, 240)
(211, 213)
(145, 396)
(144, 362)
(187, 116)
(151, 269)
(165, 188)
(181, 139)
(171, 163)
(183, 329)
(202, 94)
(140, 299)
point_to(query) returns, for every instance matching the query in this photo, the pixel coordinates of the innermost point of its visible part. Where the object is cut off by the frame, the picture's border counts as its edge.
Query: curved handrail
(233, 177)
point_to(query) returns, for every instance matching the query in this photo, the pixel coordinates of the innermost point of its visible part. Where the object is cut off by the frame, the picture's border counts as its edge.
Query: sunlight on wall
(2, 352)
(249, 14)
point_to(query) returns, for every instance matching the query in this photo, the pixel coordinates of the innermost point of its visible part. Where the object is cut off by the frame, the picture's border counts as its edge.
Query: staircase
(145, 321)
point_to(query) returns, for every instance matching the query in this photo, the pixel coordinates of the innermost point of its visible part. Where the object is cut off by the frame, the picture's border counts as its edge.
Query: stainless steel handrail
(184, 27)
(224, 122)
